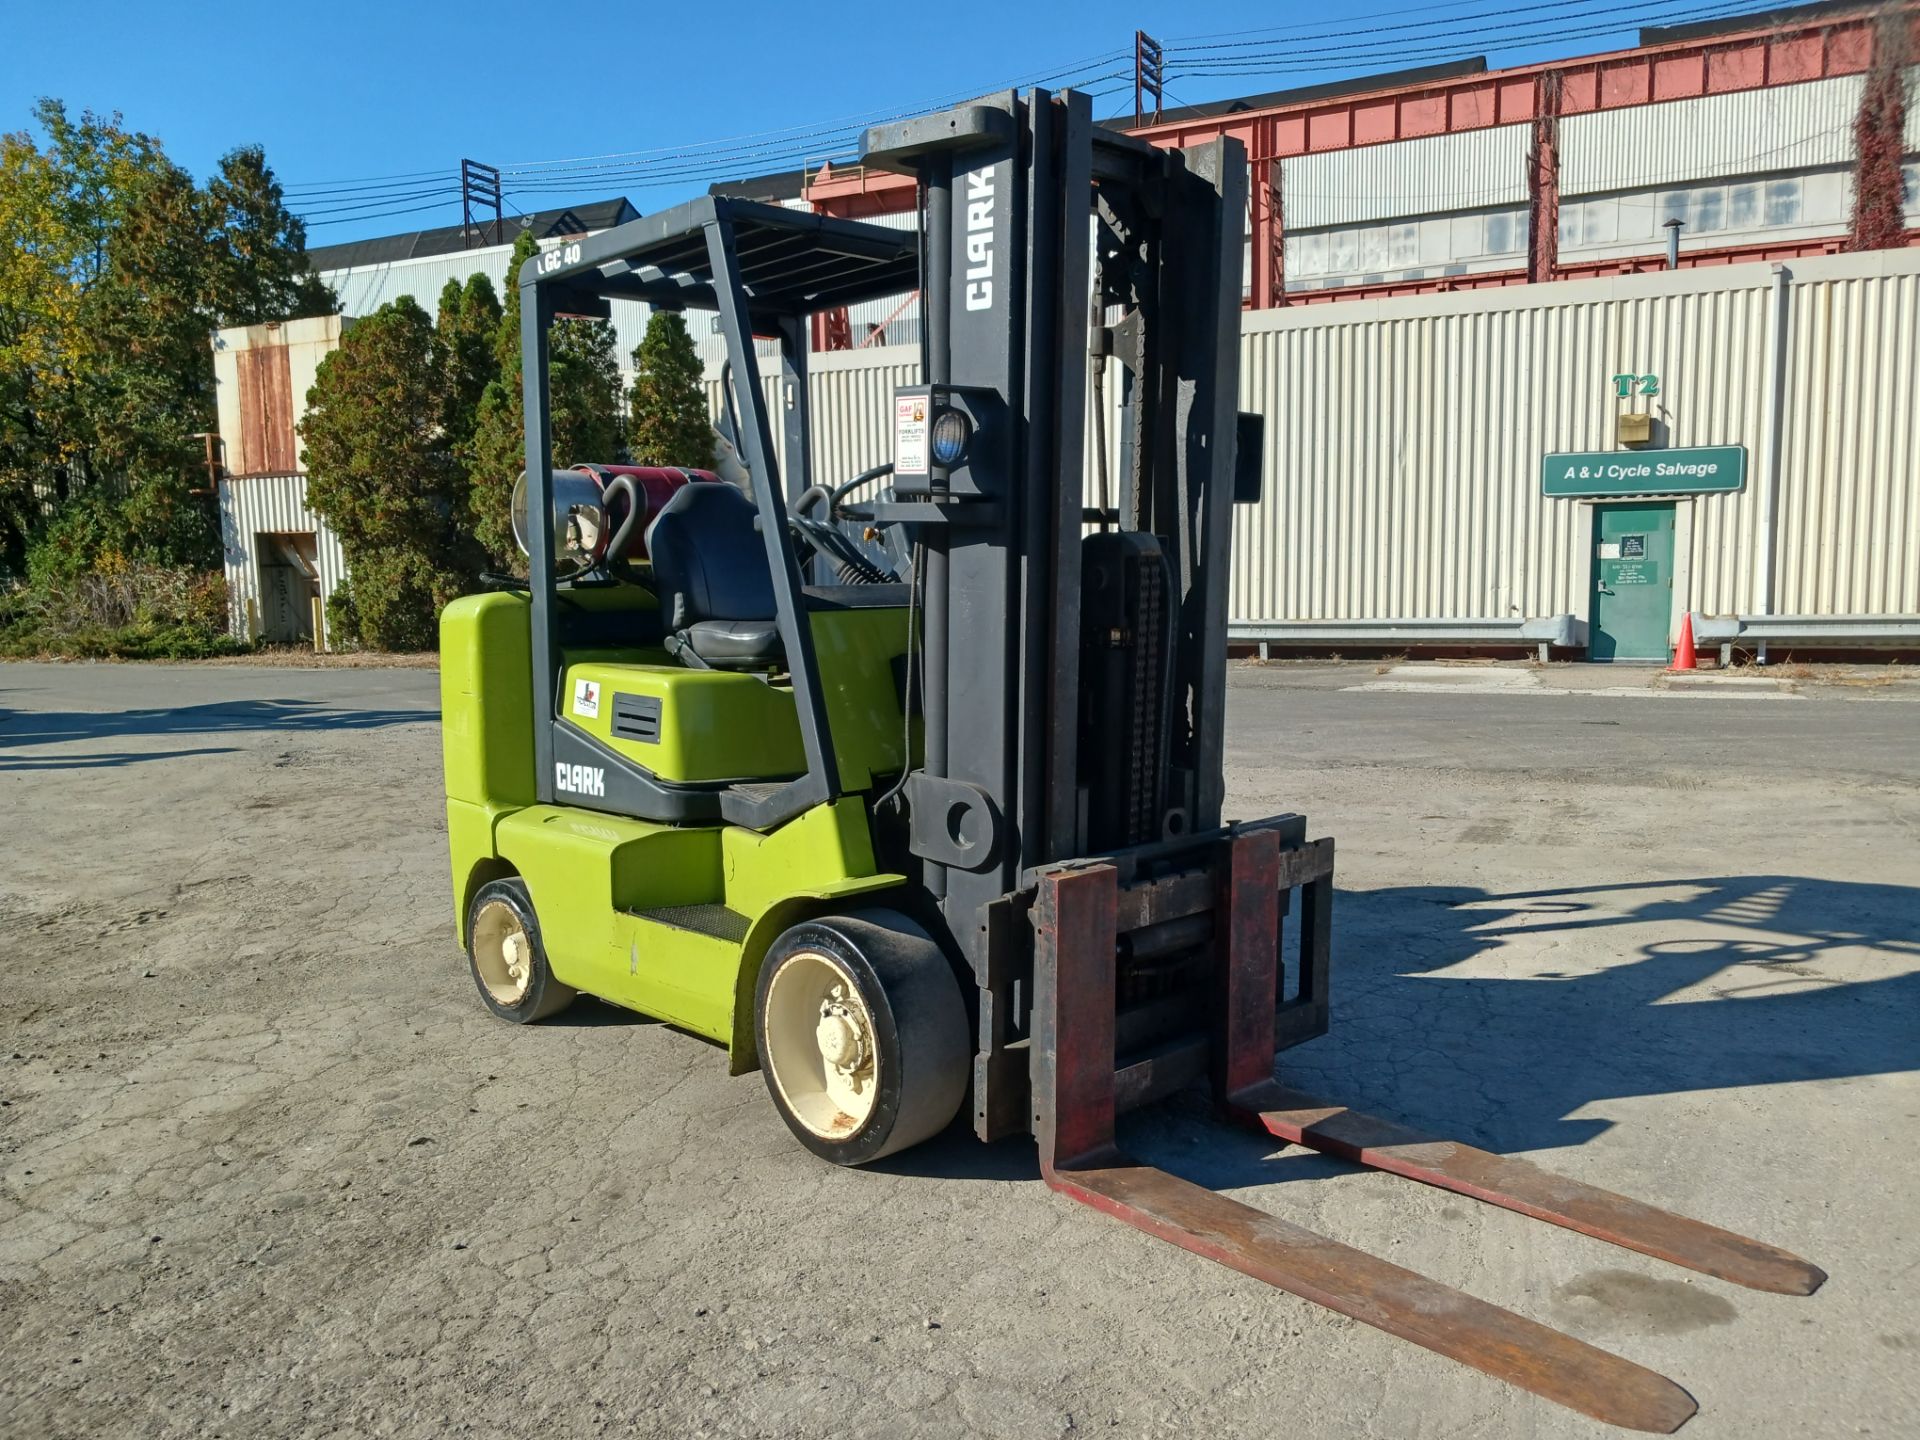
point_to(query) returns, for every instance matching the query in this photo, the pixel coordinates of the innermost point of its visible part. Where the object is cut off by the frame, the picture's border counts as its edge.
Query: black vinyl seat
(715, 586)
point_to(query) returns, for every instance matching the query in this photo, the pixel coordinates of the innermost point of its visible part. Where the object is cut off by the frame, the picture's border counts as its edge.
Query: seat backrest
(709, 561)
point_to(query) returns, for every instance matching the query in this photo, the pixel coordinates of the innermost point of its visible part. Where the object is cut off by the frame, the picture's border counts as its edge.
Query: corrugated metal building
(1405, 441)
(282, 562)
(1406, 438)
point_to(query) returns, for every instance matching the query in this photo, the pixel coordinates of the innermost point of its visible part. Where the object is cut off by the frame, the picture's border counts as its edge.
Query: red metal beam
(1678, 70)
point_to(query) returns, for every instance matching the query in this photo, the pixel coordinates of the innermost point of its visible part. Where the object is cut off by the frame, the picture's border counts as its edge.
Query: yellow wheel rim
(821, 1047)
(502, 952)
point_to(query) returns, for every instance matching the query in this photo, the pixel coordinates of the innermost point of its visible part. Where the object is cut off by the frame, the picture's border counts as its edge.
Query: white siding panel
(1404, 440)
(852, 398)
(1747, 132)
(1462, 171)
(270, 504)
(1849, 515)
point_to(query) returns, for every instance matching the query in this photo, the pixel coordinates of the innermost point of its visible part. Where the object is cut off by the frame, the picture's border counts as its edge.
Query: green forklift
(907, 787)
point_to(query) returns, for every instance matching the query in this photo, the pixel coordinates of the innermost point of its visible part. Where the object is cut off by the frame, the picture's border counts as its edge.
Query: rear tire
(508, 961)
(862, 1035)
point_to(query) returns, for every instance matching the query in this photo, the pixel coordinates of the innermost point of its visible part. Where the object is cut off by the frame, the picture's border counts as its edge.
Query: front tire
(508, 961)
(862, 1035)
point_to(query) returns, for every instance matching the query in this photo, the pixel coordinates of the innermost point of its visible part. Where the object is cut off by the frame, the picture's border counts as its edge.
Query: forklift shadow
(1497, 1017)
(23, 729)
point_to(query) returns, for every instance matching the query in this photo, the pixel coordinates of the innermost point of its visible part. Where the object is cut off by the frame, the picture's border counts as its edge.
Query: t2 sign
(1625, 387)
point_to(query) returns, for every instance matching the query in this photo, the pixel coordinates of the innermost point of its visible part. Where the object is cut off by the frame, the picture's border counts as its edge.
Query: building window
(1707, 209)
(1743, 207)
(1910, 186)
(1506, 232)
(1405, 244)
(1590, 222)
(1373, 248)
(1783, 202)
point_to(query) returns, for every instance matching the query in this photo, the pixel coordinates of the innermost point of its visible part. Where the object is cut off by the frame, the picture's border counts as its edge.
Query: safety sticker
(910, 434)
(586, 699)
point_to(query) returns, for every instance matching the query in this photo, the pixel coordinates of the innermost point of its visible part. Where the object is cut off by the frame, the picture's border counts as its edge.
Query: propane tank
(600, 512)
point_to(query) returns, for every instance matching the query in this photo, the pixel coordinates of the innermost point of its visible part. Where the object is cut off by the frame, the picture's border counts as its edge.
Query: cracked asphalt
(268, 1168)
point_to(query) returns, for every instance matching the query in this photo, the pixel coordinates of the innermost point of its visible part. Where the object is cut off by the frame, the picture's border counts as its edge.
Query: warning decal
(910, 434)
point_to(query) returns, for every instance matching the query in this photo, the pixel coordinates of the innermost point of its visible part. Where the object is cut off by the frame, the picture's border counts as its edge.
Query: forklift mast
(1074, 645)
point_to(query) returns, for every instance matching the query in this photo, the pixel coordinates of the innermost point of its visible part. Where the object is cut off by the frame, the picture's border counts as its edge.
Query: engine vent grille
(637, 717)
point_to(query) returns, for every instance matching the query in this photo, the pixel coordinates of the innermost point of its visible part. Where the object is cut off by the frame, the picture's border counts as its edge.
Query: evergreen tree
(380, 471)
(464, 335)
(667, 422)
(583, 402)
(257, 268)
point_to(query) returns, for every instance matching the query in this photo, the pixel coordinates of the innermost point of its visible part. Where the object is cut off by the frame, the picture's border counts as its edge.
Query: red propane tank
(655, 485)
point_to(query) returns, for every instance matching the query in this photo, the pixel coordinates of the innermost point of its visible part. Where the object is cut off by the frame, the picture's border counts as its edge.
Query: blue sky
(352, 95)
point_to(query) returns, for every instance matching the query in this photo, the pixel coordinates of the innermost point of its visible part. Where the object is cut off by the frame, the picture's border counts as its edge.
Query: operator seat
(715, 586)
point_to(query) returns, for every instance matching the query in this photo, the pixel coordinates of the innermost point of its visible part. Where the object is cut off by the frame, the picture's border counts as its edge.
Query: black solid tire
(924, 1054)
(545, 996)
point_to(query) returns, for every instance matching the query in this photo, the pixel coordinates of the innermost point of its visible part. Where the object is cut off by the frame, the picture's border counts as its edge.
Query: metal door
(1632, 582)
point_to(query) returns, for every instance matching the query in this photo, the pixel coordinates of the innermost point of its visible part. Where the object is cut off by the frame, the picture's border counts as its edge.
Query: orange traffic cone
(1683, 658)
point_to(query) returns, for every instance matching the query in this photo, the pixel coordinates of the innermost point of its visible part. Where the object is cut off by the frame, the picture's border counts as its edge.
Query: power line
(809, 143)
(845, 122)
(355, 219)
(786, 144)
(1521, 33)
(363, 206)
(1456, 22)
(1294, 29)
(352, 190)
(1292, 62)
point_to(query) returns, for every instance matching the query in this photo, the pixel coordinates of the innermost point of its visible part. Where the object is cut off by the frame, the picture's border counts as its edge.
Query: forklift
(907, 788)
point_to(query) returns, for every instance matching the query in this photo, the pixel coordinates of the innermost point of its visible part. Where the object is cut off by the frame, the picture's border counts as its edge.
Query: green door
(1632, 582)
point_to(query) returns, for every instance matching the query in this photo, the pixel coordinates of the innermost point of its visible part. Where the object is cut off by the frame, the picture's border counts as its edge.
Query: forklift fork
(1076, 919)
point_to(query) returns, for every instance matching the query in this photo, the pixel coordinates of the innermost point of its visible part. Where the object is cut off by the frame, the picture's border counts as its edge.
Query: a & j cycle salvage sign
(1702, 470)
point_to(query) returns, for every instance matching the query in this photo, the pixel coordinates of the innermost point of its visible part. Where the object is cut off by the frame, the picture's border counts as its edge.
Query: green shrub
(132, 578)
(130, 611)
(397, 598)
(343, 617)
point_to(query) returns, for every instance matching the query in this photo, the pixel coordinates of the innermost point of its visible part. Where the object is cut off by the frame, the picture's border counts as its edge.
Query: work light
(951, 431)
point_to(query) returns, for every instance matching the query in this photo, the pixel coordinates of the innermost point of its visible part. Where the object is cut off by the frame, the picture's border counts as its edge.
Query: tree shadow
(1697, 985)
(24, 729)
(1712, 983)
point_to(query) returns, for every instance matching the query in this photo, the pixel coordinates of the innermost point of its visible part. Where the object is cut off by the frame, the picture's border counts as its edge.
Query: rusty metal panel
(266, 443)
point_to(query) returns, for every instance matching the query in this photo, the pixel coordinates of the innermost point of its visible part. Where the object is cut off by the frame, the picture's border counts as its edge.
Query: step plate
(1510, 1347)
(1512, 1184)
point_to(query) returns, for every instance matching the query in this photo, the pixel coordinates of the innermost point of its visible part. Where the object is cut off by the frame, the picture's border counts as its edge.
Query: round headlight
(949, 436)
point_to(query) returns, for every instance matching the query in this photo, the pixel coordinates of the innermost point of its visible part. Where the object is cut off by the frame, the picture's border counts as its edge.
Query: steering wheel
(853, 565)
